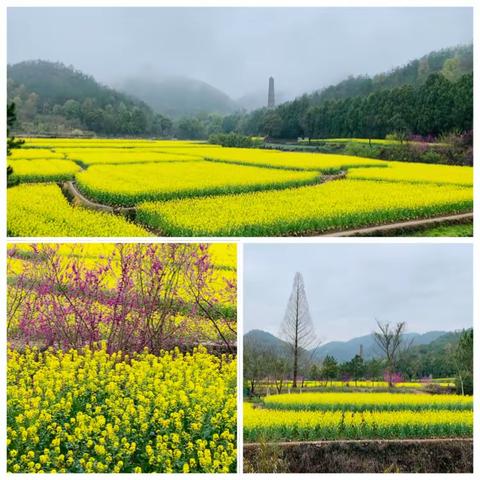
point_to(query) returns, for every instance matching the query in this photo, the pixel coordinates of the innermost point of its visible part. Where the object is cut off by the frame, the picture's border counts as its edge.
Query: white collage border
(242, 240)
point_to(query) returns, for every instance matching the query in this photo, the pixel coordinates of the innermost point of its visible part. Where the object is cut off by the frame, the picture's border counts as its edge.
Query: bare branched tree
(390, 341)
(297, 327)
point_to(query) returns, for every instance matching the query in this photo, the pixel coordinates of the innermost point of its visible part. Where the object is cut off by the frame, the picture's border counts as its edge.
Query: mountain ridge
(344, 350)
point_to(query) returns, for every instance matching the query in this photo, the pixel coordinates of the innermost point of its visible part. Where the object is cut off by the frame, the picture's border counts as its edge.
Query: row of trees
(263, 364)
(37, 115)
(429, 96)
(452, 63)
(77, 117)
(437, 107)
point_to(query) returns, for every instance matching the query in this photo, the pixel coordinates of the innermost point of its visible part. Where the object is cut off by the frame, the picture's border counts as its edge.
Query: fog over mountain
(234, 49)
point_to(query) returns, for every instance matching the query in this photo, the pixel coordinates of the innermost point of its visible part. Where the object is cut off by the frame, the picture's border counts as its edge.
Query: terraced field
(133, 184)
(337, 416)
(178, 188)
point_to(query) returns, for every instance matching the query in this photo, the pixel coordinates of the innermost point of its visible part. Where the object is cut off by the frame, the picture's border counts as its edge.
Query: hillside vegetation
(56, 99)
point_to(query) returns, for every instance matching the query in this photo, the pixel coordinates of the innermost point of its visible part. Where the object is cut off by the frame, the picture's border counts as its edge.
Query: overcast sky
(349, 286)
(235, 49)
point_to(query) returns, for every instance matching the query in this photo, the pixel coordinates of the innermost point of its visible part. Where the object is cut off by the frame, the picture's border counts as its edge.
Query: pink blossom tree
(153, 296)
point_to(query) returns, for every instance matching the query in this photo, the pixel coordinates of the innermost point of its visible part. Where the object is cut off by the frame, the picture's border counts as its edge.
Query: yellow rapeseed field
(43, 170)
(154, 176)
(35, 153)
(360, 401)
(287, 425)
(54, 143)
(42, 211)
(327, 163)
(417, 173)
(130, 184)
(124, 156)
(338, 205)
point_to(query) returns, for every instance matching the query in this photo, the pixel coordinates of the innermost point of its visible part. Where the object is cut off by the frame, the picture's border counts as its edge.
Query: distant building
(271, 93)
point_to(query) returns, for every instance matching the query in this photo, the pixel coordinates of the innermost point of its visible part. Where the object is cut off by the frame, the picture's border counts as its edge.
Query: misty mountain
(179, 96)
(344, 351)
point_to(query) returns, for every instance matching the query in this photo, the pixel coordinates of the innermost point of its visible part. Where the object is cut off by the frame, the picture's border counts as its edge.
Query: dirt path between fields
(391, 228)
(71, 190)
(367, 440)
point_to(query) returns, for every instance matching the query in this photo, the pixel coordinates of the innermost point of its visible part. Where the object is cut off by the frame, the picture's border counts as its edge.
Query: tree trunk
(295, 348)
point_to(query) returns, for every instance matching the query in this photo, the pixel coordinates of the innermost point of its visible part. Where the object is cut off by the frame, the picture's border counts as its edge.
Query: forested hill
(434, 358)
(452, 63)
(430, 97)
(53, 98)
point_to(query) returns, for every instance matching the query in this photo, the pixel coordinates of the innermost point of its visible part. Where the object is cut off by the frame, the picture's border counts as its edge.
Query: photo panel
(358, 358)
(122, 358)
(368, 135)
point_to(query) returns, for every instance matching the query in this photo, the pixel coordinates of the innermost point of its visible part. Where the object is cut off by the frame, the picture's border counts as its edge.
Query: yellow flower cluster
(338, 205)
(43, 170)
(367, 401)
(223, 255)
(130, 184)
(90, 411)
(277, 425)
(42, 211)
